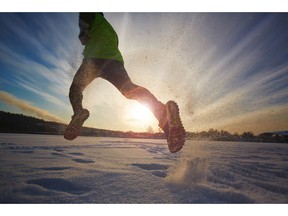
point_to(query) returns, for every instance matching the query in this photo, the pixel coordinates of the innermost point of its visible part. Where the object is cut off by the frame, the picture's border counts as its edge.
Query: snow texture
(49, 169)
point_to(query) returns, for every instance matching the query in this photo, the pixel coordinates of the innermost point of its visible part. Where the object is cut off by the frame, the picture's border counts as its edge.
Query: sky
(227, 71)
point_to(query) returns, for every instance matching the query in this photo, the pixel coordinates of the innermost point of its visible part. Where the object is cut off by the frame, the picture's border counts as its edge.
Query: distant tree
(213, 133)
(247, 135)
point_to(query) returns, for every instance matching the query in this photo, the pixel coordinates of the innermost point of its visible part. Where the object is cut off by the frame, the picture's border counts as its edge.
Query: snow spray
(189, 173)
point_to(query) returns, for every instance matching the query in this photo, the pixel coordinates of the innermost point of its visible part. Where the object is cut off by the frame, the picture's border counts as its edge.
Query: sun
(139, 116)
(140, 113)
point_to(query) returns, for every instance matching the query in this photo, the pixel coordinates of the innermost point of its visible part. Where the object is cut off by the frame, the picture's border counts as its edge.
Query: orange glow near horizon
(139, 117)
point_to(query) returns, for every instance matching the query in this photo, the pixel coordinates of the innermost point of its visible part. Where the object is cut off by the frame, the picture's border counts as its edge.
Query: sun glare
(140, 116)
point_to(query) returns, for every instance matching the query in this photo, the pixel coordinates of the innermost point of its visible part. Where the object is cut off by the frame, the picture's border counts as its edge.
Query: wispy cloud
(263, 120)
(34, 77)
(29, 108)
(248, 107)
(239, 85)
(51, 56)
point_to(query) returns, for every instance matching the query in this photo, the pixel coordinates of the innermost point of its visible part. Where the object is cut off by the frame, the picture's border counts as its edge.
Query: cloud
(28, 108)
(46, 96)
(40, 53)
(256, 94)
(265, 120)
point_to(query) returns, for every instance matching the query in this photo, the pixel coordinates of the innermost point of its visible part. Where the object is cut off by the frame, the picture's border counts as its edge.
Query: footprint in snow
(79, 160)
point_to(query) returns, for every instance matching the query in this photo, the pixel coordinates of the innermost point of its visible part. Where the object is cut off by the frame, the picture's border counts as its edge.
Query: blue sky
(226, 70)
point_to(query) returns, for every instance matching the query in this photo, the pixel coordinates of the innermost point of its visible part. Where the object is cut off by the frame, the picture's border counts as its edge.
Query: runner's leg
(83, 77)
(114, 72)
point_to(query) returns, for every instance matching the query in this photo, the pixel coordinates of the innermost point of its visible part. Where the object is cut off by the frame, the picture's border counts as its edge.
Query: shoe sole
(176, 136)
(74, 127)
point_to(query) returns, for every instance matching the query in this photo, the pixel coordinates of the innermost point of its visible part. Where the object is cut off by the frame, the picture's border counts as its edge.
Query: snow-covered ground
(49, 169)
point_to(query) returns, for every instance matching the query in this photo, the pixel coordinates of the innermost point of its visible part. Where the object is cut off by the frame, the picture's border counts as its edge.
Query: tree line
(19, 123)
(248, 136)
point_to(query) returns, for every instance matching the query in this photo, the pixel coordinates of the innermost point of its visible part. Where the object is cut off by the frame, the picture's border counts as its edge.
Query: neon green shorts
(103, 41)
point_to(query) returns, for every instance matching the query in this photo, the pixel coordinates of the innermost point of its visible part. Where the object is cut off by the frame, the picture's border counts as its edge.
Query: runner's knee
(134, 92)
(129, 90)
(75, 89)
